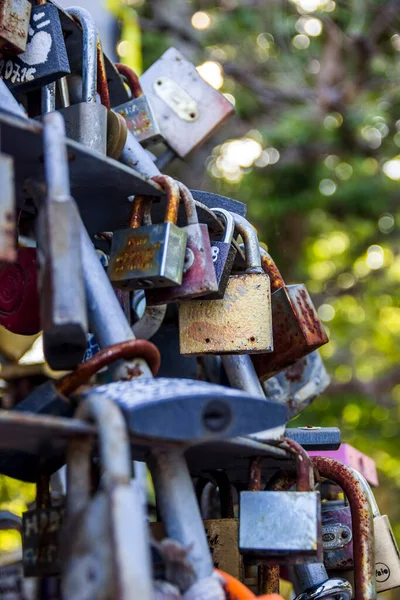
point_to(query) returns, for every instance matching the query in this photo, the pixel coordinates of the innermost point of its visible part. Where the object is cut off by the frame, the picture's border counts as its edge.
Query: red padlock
(19, 298)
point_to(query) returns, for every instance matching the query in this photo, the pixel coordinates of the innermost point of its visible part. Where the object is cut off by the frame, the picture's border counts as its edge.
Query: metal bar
(363, 527)
(241, 374)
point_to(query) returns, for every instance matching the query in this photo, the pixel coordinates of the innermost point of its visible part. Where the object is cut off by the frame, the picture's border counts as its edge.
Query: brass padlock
(239, 323)
(149, 255)
(296, 326)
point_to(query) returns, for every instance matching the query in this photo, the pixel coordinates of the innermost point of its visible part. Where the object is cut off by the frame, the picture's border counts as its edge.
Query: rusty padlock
(19, 298)
(297, 329)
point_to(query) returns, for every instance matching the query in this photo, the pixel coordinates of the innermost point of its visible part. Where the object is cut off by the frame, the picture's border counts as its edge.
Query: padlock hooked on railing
(297, 329)
(149, 255)
(198, 277)
(45, 57)
(239, 323)
(137, 111)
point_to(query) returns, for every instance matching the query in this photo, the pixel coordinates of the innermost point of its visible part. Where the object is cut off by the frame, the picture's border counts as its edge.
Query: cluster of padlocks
(101, 252)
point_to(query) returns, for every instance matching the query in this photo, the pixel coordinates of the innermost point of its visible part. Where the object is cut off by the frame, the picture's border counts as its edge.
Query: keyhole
(216, 416)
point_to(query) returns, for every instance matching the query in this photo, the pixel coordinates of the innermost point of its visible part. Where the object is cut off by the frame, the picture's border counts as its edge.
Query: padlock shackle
(48, 98)
(251, 244)
(114, 451)
(140, 205)
(190, 206)
(102, 83)
(304, 467)
(89, 52)
(229, 223)
(368, 492)
(363, 524)
(131, 79)
(55, 158)
(171, 188)
(270, 268)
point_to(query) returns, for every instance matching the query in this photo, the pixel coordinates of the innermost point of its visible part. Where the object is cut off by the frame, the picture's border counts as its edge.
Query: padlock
(19, 298)
(337, 535)
(283, 527)
(41, 528)
(14, 24)
(181, 101)
(223, 254)
(45, 58)
(239, 323)
(86, 121)
(105, 531)
(137, 111)
(296, 326)
(387, 555)
(299, 385)
(362, 519)
(151, 255)
(63, 301)
(8, 226)
(13, 585)
(199, 276)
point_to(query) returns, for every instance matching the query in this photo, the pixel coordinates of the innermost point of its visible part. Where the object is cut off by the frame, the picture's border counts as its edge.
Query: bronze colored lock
(297, 329)
(239, 323)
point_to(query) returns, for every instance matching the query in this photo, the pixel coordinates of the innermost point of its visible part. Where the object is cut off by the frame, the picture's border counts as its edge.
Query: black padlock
(223, 254)
(45, 58)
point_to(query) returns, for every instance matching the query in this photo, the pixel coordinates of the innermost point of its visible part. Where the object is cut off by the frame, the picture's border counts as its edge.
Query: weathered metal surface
(183, 131)
(304, 468)
(297, 330)
(315, 438)
(115, 513)
(8, 226)
(14, 24)
(137, 111)
(337, 536)
(353, 458)
(299, 385)
(183, 409)
(63, 301)
(363, 532)
(280, 527)
(28, 70)
(41, 528)
(236, 324)
(19, 298)
(330, 588)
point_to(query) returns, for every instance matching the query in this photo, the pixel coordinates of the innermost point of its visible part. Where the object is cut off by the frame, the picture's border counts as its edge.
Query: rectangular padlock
(45, 58)
(138, 112)
(297, 328)
(280, 527)
(186, 107)
(8, 226)
(239, 323)
(14, 24)
(150, 255)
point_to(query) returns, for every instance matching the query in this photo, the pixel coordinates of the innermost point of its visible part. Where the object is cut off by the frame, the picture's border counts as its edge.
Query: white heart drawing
(37, 50)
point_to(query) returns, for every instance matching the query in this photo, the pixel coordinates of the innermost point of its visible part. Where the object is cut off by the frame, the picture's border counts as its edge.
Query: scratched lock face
(45, 58)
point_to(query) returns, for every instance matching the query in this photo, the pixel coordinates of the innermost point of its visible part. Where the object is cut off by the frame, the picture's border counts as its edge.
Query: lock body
(239, 323)
(152, 255)
(297, 330)
(14, 23)
(280, 527)
(181, 101)
(86, 123)
(141, 120)
(45, 58)
(19, 298)
(198, 271)
(8, 231)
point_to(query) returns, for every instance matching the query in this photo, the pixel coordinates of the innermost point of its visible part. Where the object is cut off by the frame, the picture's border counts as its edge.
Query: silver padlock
(106, 541)
(311, 582)
(138, 112)
(63, 300)
(86, 121)
(8, 225)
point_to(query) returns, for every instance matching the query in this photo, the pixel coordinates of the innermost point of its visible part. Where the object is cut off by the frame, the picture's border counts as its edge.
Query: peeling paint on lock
(236, 324)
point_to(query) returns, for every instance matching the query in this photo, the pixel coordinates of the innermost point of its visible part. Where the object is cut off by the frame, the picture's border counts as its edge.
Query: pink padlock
(353, 458)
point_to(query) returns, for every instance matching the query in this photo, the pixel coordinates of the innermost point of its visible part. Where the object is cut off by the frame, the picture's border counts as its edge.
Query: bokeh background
(314, 151)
